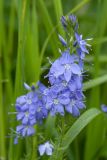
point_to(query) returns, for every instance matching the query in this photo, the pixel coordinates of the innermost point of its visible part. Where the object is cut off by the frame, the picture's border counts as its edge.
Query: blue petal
(77, 37)
(16, 140)
(20, 115)
(25, 120)
(25, 107)
(78, 81)
(84, 49)
(68, 108)
(60, 109)
(66, 58)
(81, 105)
(19, 128)
(41, 149)
(81, 64)
(32, 109)
(64, 43)
(56, 69)
(27, 86)
(64, 22)
(30, 131)
(104, 108)
(72, 86)
(67, 75)
(75, 69)
(75, 111)
(64, 100)
(72, 18)
(21, 100)
(32, 121)
(49, 151)
(80, 53)
(24, 131)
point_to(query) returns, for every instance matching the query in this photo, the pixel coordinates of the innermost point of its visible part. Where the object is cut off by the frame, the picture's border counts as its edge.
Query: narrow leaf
(95, 82)
(78, 126)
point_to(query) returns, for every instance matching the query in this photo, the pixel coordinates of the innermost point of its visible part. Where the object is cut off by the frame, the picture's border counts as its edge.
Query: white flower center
(29, 101)
(56, 101)
(67, 66)
(64, 83)
(72, 102)
(39, 109)
(26, 114)
(45, 91)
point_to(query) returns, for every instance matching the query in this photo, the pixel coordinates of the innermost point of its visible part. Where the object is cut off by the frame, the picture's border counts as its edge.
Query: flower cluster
(31, 109)
(65, 93)
(66, 72)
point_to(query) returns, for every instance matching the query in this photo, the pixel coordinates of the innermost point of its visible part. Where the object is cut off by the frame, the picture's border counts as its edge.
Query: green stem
(34, 148)
(77, 155)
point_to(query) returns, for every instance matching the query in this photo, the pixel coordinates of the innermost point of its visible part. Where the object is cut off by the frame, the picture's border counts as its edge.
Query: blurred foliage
(28, 34)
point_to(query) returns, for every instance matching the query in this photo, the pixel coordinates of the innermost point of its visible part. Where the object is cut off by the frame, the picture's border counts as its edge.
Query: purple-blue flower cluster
(31, 109)
(65, 93)
(66, 72)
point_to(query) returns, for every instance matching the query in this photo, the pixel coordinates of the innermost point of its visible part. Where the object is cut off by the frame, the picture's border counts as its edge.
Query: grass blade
(92, 145)
(2, 115)
(48, 24)
(74, 131)
(78, 126)
(95, 82)
(15, 151)
(59, 13)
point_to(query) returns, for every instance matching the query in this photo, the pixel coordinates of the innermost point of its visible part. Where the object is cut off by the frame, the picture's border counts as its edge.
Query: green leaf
(48, 24)
(59, 13)
(78, 126)
(95, 82)
(15, 152)
(78, 6)
(73, 132)
(2, 109)
(92, 146)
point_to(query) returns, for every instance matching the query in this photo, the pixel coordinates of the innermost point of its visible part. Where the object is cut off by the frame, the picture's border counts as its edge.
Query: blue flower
(56, 101)
(31, 109)
(26, 108)
(82, 43)
(75, 83)
(26, 101)
(25, 130)
(16, 140)
(46, 148)
(43, 91)
(61, 84)
(74, 106)
(67, 61)
(104, 108)
(65, 65)
(41, 111)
